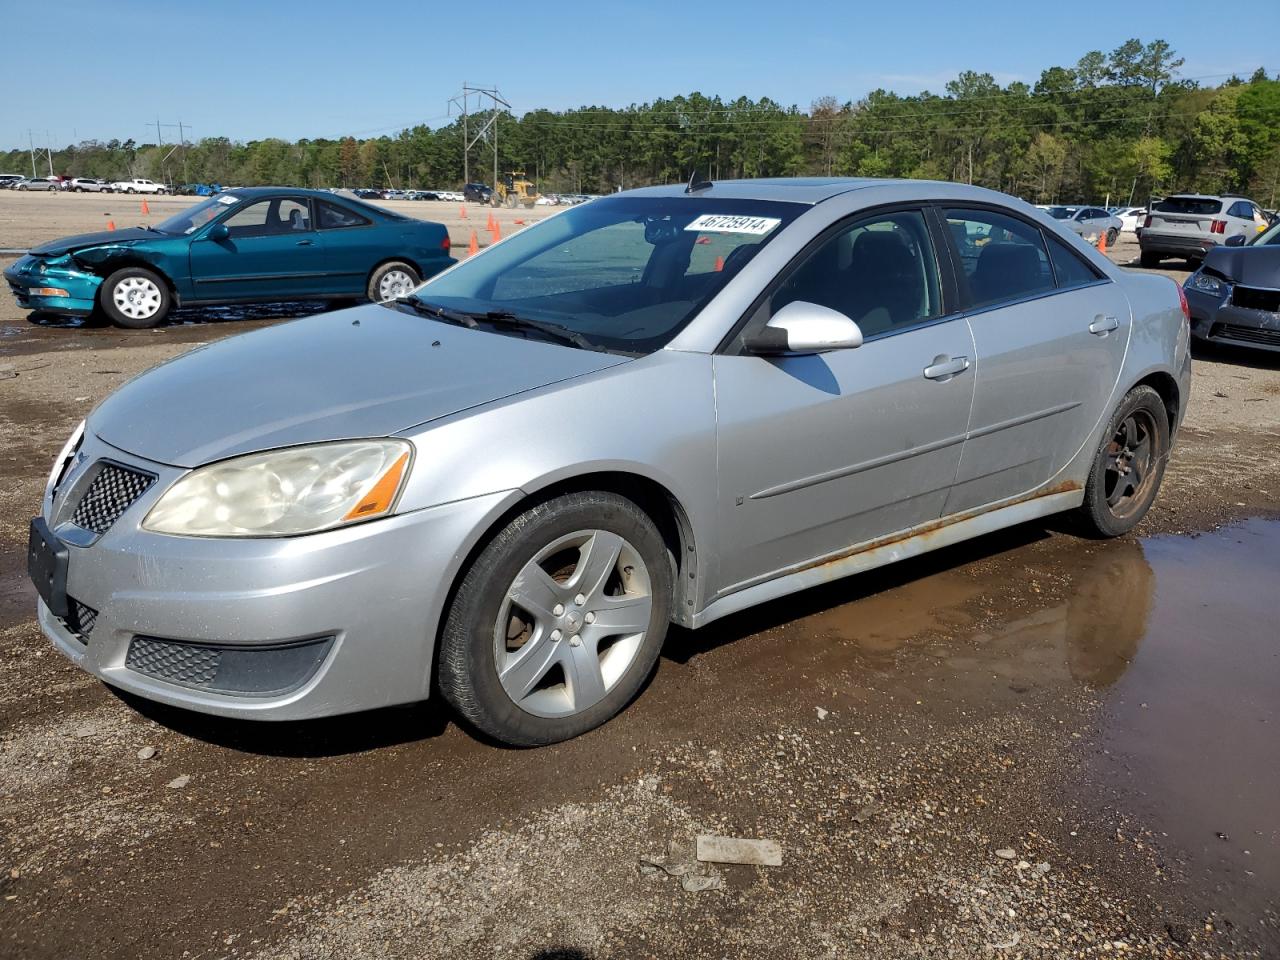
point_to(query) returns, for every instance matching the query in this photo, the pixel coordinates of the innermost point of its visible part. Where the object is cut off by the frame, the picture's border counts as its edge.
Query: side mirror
(802, 327)
(218, 232)
(1237, 241)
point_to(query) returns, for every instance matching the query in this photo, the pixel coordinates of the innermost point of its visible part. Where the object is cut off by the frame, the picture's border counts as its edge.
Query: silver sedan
(663, 406)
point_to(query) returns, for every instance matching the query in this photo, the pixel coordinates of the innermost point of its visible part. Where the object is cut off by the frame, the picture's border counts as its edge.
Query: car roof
(808, 190)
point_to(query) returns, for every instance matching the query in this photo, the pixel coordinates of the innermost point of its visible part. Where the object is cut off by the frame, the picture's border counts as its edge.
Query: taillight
(1219, 226)
(444, 244)
(1182, 301)
(1146, 221)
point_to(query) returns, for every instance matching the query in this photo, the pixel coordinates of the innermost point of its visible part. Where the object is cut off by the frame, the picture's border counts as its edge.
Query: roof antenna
(695, 184)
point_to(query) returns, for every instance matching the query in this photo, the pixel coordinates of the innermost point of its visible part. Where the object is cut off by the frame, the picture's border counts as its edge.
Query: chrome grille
(111, 493)
(176, 662)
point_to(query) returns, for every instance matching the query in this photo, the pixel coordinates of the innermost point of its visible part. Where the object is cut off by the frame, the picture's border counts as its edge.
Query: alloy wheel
(1129, 463)
(572, 623)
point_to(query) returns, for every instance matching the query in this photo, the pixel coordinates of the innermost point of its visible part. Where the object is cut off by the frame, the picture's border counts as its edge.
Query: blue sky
(324, 69)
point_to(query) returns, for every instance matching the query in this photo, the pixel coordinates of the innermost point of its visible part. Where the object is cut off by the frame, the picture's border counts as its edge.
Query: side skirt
(912, 543)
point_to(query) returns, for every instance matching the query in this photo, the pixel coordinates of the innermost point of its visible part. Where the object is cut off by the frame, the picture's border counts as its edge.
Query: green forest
(1115, 126)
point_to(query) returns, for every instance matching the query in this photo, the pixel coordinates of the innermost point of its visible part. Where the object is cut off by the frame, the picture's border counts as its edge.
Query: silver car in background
(665, 406)
(1092, 223)
(1190, 225)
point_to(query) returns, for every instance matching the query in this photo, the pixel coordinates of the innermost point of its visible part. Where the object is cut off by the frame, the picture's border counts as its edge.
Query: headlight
(1205, 283)
(285, 492)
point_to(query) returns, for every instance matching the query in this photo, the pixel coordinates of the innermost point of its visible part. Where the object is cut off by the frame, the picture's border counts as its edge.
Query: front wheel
(135, 298)
(559, 621)
(1129, 465)
(131, 190)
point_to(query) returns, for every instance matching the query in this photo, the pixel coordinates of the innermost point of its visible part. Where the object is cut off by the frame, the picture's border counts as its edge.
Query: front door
(820, 453)
(1050, 332)
(272, 251)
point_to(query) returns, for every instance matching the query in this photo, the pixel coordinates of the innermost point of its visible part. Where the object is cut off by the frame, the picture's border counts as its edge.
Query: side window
(1069, 269)
(250, 221)
(334, 217)
(269, 218)
(1003, 258)
(880, 272)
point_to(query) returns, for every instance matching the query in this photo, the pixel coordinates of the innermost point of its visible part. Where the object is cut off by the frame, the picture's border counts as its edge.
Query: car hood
(1250, 266)
(364, 372)
(57, 248)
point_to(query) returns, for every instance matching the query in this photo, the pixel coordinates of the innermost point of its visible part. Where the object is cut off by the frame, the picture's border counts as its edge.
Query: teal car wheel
(135, 298)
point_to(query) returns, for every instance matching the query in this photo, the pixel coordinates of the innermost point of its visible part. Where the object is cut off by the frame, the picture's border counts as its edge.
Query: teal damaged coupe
(257, 245)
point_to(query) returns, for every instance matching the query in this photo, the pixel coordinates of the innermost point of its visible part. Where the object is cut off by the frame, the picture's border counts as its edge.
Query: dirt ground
(1030, 745)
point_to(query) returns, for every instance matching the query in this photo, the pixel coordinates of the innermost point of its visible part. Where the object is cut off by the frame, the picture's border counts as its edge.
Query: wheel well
(652, 497)
(1167, 387)
(108, 267)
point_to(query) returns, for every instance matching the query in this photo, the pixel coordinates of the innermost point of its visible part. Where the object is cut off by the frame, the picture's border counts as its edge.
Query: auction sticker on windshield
(228, 199)
(725, 223)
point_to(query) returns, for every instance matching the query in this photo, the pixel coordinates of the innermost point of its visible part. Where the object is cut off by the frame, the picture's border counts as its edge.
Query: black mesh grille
(112, 492)
(1254, 299)
(80, 619)
(175, 662)
(1270, 338)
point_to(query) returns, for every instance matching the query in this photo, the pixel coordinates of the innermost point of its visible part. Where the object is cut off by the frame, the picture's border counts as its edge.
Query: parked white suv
(1191, 224)
(86, 185)
(138, 185)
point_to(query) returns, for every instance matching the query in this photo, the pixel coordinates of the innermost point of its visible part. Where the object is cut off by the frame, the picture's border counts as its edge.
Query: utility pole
(181, 144)
(32, 144)
(463, 100)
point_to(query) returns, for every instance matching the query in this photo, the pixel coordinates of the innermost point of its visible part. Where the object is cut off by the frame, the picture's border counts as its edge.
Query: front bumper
(24, 279)
(1215, 319)
(370, 595)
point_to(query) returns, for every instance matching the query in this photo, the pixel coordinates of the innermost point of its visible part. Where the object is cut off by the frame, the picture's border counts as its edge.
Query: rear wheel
(135, 298)
(1112, 235)
(559, 621)
(1129, 465)
(1150, 259)
(392, 280)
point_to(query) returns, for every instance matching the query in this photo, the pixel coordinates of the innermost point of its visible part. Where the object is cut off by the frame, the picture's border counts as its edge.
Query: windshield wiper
(504, 318)
(438, 312)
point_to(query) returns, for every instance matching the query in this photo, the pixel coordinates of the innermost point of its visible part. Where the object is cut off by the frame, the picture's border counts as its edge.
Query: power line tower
(46, 151)
(488, 131)
(183, 127)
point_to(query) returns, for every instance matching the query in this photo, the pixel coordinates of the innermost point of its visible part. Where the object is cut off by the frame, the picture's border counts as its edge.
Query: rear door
(1050, 333)
(272, 252)
(822, 452)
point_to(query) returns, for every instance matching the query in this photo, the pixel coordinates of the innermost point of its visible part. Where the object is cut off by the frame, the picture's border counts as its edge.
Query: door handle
(1101, 325)
(944, 368)
(305, 243)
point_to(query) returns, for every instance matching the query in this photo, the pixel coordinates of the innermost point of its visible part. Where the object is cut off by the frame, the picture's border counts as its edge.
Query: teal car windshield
(623, 273)
(193, 218)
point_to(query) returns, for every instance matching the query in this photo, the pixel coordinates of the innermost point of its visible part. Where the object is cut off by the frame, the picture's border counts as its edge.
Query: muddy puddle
(1175, 635)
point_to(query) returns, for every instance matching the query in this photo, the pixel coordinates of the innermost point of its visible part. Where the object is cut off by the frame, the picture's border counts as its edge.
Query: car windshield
(193, 218)
(1061, 213)
(1199, 206)
(623, 273)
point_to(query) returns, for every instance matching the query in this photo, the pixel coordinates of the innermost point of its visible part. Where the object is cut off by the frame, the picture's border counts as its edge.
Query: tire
(566, 673)
(1129, 465)
(1150, 259)
(130, 190)
(392, 279)
(1112, 236)
(511, 201)
(135, 298)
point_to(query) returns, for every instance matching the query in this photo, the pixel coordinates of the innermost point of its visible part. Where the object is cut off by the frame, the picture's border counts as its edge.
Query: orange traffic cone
(520, 223)
(474, 246)
(111, 224)
(719, 264)
(145, 209)
(462, 212)
(497, 232)
(492, 224)
(1102, 242)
